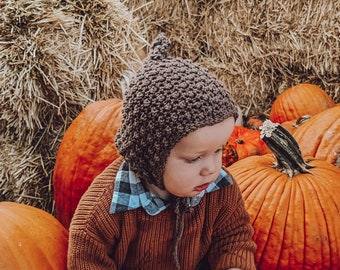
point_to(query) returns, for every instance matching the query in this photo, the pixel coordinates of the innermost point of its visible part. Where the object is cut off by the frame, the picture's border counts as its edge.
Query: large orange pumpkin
(299, 100)
(86, 149)
(319, 136)
(293, 205)
(243, 142)
(31, 238)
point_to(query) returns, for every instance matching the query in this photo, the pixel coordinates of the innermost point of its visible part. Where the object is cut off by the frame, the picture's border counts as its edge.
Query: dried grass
(21, 176)
(55, 58)
(257, 48)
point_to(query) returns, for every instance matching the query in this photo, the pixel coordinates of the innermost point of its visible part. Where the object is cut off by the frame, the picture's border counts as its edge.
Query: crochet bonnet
(166, 100)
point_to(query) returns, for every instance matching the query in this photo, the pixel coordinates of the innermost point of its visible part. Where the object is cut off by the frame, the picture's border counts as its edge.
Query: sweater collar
(129, 193)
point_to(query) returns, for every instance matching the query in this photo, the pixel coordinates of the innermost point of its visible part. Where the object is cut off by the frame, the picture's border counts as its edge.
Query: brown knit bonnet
(166, 100)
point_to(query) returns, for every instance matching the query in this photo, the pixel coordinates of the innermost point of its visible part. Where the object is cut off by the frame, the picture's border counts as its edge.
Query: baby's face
(196, 160)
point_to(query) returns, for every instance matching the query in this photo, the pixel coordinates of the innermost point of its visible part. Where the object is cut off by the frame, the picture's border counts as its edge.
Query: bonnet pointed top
(160, 48)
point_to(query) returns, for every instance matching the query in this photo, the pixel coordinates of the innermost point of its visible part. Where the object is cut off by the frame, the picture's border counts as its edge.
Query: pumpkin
(87, 147)
(320, 136)
(299, 100)
(31, 238)
(293, 204)
(243, 142)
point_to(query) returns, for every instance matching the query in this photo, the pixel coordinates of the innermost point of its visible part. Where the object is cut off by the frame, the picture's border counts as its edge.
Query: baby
(167, 202)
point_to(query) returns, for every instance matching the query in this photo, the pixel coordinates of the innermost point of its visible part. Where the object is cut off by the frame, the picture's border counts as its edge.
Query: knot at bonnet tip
(160, 48)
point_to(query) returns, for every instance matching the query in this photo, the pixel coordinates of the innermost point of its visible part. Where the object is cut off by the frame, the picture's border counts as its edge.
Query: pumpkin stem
(301, 120)
(285, 148)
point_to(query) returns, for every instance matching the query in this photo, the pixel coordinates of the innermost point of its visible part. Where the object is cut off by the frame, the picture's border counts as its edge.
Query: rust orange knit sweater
(217, 231)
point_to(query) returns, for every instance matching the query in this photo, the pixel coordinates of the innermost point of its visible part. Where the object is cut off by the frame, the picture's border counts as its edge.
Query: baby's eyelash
(199, 157)
(193, 160)
(220, 149)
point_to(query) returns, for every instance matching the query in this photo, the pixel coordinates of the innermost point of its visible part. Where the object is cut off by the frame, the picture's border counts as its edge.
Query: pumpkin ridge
(253, 184)
(284, 218)
(322, 193)
(303, 227)
(286, 230)
(292, 220)
(314, 244)
(272, 232)
(268, 189)
(294, 108)
(329, 225)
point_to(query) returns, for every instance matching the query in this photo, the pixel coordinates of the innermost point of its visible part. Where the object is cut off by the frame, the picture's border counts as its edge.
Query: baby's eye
(193, 160)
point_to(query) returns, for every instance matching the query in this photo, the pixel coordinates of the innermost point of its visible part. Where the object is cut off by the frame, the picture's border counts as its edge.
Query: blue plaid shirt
(129, 193)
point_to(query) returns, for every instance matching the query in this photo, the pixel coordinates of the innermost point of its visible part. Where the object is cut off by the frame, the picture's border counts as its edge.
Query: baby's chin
(190, 194)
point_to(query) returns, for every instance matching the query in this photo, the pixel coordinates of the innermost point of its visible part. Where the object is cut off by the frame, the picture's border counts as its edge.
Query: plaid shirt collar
(129, 193)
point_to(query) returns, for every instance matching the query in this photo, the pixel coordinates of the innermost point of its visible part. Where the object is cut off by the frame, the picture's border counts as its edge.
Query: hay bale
(256, 48)
(21, 171)
(58, 56)
(55, 58)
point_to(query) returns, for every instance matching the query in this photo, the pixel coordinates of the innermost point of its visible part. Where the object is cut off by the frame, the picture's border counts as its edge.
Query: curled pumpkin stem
(301, 120)
(285, 148)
